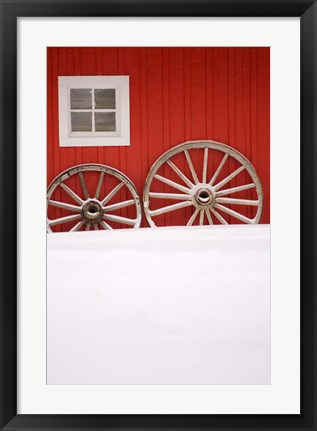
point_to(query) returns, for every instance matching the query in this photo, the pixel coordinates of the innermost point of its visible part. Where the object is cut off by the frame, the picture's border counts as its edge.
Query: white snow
(159, 306)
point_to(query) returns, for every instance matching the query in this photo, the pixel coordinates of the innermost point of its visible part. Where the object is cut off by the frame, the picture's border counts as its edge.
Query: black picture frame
(9, 12)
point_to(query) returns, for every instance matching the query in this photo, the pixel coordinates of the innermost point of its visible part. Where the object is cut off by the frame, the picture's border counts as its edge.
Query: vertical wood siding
(176, 94)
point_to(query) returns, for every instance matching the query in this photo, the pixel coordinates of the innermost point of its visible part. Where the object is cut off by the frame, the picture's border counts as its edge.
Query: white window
(93, 111)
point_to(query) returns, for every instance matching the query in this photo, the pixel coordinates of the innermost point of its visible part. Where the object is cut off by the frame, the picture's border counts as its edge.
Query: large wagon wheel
(96, 205)
(210, 189)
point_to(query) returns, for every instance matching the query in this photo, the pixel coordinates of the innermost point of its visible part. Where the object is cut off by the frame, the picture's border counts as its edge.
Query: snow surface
(159, 306)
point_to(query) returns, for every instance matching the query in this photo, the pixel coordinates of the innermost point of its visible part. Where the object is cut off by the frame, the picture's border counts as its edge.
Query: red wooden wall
(176, 94)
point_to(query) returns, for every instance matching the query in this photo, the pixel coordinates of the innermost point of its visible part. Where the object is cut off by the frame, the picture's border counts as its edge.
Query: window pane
(105, 98)
(105, 122)
(81, 121)
(80, 98)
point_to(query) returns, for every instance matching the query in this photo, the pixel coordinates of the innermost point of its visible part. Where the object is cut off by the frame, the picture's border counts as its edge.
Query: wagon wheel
(96, 205)
(209, 190)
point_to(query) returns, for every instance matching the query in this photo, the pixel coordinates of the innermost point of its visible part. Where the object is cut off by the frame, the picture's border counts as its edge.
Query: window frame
(120, 137)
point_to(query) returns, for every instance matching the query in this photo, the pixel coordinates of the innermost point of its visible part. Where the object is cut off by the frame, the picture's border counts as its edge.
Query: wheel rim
(212, 183)
(104, 194)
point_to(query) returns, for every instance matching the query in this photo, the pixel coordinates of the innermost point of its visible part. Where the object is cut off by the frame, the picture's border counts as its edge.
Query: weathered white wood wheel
(210, 182)
(104, 194)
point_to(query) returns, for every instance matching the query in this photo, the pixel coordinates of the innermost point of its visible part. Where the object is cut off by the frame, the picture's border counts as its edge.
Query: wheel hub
(92, 211)
(203, 197)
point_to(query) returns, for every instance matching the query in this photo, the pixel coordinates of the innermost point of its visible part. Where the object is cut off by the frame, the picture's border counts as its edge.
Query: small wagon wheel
(97, 203)
(211, 190)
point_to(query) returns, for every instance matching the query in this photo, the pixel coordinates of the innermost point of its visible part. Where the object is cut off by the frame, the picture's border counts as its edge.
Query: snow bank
(159, 306)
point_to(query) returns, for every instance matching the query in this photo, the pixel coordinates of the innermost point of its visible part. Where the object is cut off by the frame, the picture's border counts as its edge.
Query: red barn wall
(176, 95)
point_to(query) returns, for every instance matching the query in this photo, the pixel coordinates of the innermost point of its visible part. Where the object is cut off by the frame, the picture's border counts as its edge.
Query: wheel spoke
(191, 167)
(180, 174)
(71, 193)
(105, 225)
(96, 226)
(193, 217)
(234, 201)
(65, 219)
(209, 217)
(119, 205)
(77, 226)
(204, 178)
(172, 183)
(83, 185)
(65, 206)
(88, 226)
(112, 193)
(119, 219)
(201, 217)
(218, 216)
(102, 174)
(170, 208)
(234, 214)
(235, 189)
(229, 178)
(175, 196)
(223, 161)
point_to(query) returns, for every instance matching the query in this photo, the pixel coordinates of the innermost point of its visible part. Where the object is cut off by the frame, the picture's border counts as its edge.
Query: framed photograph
(157, 203)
